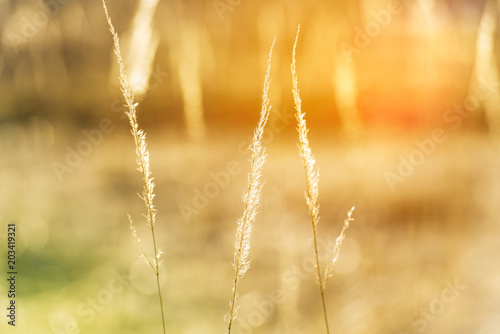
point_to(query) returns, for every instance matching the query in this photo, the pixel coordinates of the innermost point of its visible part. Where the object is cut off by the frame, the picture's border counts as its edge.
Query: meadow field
(402, 105)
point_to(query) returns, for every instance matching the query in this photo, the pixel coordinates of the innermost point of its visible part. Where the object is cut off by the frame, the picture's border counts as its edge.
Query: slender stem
(321, 290)
(157, 272)
(161, 302)
(233, 302)
(320, 280)
(324, 311)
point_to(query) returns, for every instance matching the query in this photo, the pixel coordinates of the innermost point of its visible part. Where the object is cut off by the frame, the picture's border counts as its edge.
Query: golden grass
(142, 156)
(241, 264)
(252, 197)
(312, 187)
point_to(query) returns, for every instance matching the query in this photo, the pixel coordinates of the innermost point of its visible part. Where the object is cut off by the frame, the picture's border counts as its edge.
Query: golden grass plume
(142, 158)
(312, 187)
(241, 264)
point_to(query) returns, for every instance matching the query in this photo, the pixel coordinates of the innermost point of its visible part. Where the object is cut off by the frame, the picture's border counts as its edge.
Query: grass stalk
(241, 264)
(312, 187)
(142, 158)
(312, 174)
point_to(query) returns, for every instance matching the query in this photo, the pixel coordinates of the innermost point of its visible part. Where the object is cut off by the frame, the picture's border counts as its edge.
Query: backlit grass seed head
(336, 248)
(306, 156)
(142, 153)
(251, 199)
(312, 187)
(143, 165)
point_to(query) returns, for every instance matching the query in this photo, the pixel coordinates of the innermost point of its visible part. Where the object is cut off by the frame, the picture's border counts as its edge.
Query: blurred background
(402, 101)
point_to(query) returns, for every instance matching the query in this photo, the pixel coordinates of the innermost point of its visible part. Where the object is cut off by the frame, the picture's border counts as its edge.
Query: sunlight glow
(485, 68)
(143, 42)
(189, 68)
